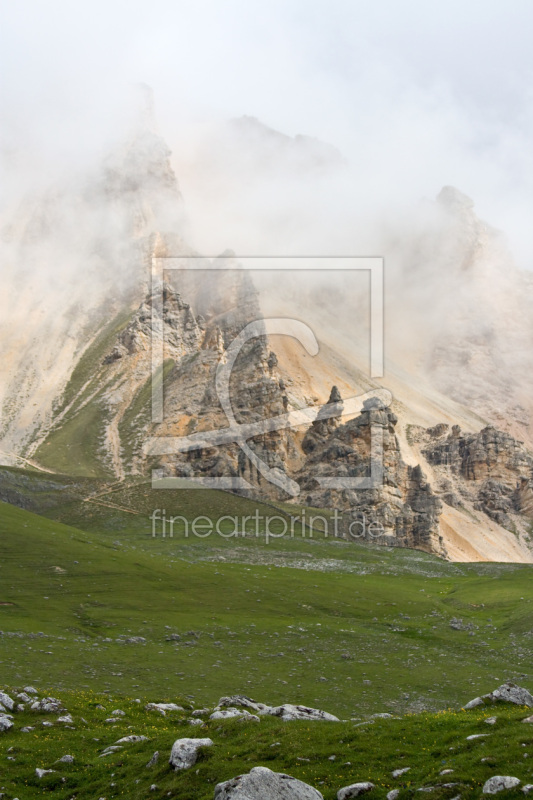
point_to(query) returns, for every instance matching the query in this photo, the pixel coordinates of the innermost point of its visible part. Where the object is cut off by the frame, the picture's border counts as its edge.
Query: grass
(75, 445)
(426, 743)
(349, 628)
(259, 626)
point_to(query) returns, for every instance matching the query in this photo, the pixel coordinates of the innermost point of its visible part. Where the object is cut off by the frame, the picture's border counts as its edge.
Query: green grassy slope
(425, 743)
(354, 641)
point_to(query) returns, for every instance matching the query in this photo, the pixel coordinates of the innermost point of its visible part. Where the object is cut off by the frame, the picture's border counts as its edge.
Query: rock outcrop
(494, 468)
(400, 509)
(261, 783)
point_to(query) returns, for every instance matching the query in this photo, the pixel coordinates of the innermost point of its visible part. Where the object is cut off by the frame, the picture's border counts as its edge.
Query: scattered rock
(289, 712)
(163, 707)
(133, 738)
(48, 705)
(393, 795)
(242, 701)
(506, 693)
(5, 723)
(354, 790)
(477, 736)
(66, 760)
(229, 713)
(42, 772)
(399, 772)
(491, 720)
(499, 783)
(7, 701)
(185, 752)
(527, 788)
(262, 784)
(153, 761)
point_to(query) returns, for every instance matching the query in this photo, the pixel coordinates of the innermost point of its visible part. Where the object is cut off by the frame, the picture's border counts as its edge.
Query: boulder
(229, 713)
(133, 738)
(163, 707)
(263, 784)
(48, 705)
(7, 701)
(5, 723)
(499, 783)
(506, 693)
(241, 701)
(289, 712)
(397, 773)
(185, 752)
(354, 790)
(42, 772)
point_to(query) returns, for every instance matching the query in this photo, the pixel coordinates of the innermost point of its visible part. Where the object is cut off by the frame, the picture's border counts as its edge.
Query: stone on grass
(42, 772)
(7, 701)
(5, 723)
(132, 738)
(393, 795)
(499, 783)
(399, 772)
(229, 713)
(506, 693)
(262, 783)
(163, 707)
(242, 701)
(354, 790)
(185, 752)
(289, 712)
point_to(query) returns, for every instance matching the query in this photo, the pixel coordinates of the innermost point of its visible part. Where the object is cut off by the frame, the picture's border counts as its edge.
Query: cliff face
(490, 468)
(400, 510)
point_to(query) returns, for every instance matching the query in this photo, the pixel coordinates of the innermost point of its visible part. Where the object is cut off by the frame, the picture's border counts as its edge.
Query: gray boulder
(354, 790)
(506, 693)
(48, 705)
(229, 713)
(289, 712)
(7, 701)
(499, 783)
(5, 723)
(241, 701)
(163, 707)
(132, 738)
(185, 752)
(263, 784)
(42, 772)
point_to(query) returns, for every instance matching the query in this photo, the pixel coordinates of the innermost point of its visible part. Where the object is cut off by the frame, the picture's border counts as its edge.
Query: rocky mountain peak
(454, 200)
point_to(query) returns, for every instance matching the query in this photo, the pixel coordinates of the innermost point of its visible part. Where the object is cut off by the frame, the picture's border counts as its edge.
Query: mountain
(84, 319)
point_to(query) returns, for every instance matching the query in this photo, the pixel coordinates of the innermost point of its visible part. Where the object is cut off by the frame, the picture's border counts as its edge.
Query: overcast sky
(416, 93)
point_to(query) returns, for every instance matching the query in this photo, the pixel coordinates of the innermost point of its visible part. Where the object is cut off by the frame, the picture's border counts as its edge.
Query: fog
(413, 96)
(295, 128)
